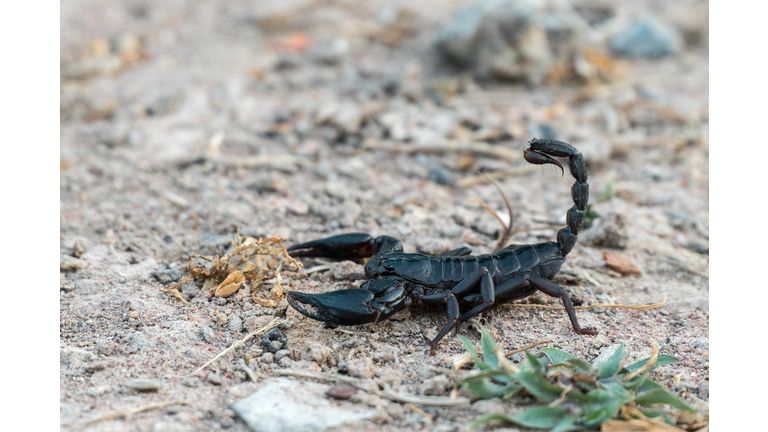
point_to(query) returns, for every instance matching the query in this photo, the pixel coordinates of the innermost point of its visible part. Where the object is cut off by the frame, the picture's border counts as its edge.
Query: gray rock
(346, 270)
(105, 347)
(440, 176)
(209, 336)
(609, 230)
(214, 378)
(275, 340)
(235, 324)
(646, 38)
(281, 353)
(144, 385)
(167, 276)
(286, 405)
(190, 382)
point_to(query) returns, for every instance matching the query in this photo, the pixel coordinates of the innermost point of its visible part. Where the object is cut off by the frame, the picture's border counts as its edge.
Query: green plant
(577, 394)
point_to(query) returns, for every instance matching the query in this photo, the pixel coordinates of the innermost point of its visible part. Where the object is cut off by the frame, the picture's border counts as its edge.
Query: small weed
(578, 394)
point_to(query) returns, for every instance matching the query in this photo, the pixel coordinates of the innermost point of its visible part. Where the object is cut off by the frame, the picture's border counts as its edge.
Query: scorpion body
(396, 279)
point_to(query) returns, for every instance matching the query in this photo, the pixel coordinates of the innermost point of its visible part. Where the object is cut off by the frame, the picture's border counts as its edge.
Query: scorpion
(396, 279)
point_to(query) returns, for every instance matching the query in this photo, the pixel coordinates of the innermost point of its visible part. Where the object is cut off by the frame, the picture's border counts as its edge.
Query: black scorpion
(396, 279)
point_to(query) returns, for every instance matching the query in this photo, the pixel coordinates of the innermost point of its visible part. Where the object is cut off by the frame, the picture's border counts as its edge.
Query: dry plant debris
(246, 263)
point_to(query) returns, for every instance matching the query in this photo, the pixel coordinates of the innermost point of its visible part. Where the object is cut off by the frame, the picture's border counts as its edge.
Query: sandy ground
(144, 185)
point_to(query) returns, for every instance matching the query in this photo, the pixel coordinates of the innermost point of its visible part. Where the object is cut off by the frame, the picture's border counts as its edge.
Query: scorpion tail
(540, 152)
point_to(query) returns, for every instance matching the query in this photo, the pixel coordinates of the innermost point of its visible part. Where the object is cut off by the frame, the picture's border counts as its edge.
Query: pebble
(279, 355)
(253, 323)
(646, 38)
(361, 368)
(167, 276)
(105, 347)
(235, 324)
(609, 230)
(209, 336)
(320, 354)
(620, 263)
(346, 270)
(68, 263)
(435, 386)
(64, 283)
(341, 391)
(283, 405)
(440, 176)
(267, 358)
(190, 382)
(214, 378)
(275, 340)
(144, 385)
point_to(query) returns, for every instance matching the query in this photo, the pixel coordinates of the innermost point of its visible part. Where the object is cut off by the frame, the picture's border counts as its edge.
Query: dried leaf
(230, 285)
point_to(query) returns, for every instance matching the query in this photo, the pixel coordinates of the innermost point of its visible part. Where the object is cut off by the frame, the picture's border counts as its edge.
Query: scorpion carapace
(396, 279)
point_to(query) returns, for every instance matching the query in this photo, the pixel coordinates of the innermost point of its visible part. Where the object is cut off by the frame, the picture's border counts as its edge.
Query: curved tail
(539, 152)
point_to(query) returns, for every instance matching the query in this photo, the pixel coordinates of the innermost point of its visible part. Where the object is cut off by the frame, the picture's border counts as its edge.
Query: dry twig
(422, 400)
(276, 322)
(634, 307)
(129, 412)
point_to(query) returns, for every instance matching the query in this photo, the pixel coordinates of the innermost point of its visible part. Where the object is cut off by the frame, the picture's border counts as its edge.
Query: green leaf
(661, 360)
(658, 413)
(538, 386)
(610, 366)
(662, 396)
(556, 356)
(471, 350)
(581, 364)
(484, 388)
(540, 417)
(491, 417)
(567, 423)
(502, 376)
(490, 351)
(636, 382)
(601, 405)
(616, 387)
(535, 363)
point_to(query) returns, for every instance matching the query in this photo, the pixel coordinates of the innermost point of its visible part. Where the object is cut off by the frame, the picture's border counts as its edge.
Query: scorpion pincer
(396, 279)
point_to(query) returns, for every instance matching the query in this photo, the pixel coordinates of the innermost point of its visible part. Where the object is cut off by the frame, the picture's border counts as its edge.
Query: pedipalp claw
(339, 247)
(343, 307)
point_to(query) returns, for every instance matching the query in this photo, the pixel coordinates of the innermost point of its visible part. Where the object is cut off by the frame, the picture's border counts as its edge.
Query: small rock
(144, 385)
(64, 283)
(341, 391)
(396, 411)
(381, 416)
(361, 368)
(605, 354)
(440, 176)
(275, 340)
(281, 353)
(167, 276)
(214, 378)
(435, 386)
(235, 324)
(320, 354)
(646, 38)
(190, 382)
(209, 336)
(267, 358)
(96, 367)
(346, 270)
(68, 263)
(105, 347)
(285, 405)
(620, 263)
(489, 406)
(253, 323)
(609, 230)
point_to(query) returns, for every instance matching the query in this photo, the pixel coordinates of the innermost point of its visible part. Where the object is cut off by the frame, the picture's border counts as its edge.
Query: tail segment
(539, 152)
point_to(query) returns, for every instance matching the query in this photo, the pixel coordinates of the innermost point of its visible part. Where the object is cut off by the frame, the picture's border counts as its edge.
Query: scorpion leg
(554, 290)
(452, 307)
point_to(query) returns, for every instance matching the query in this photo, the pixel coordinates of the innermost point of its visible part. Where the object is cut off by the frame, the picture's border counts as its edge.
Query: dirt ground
(182, 122)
